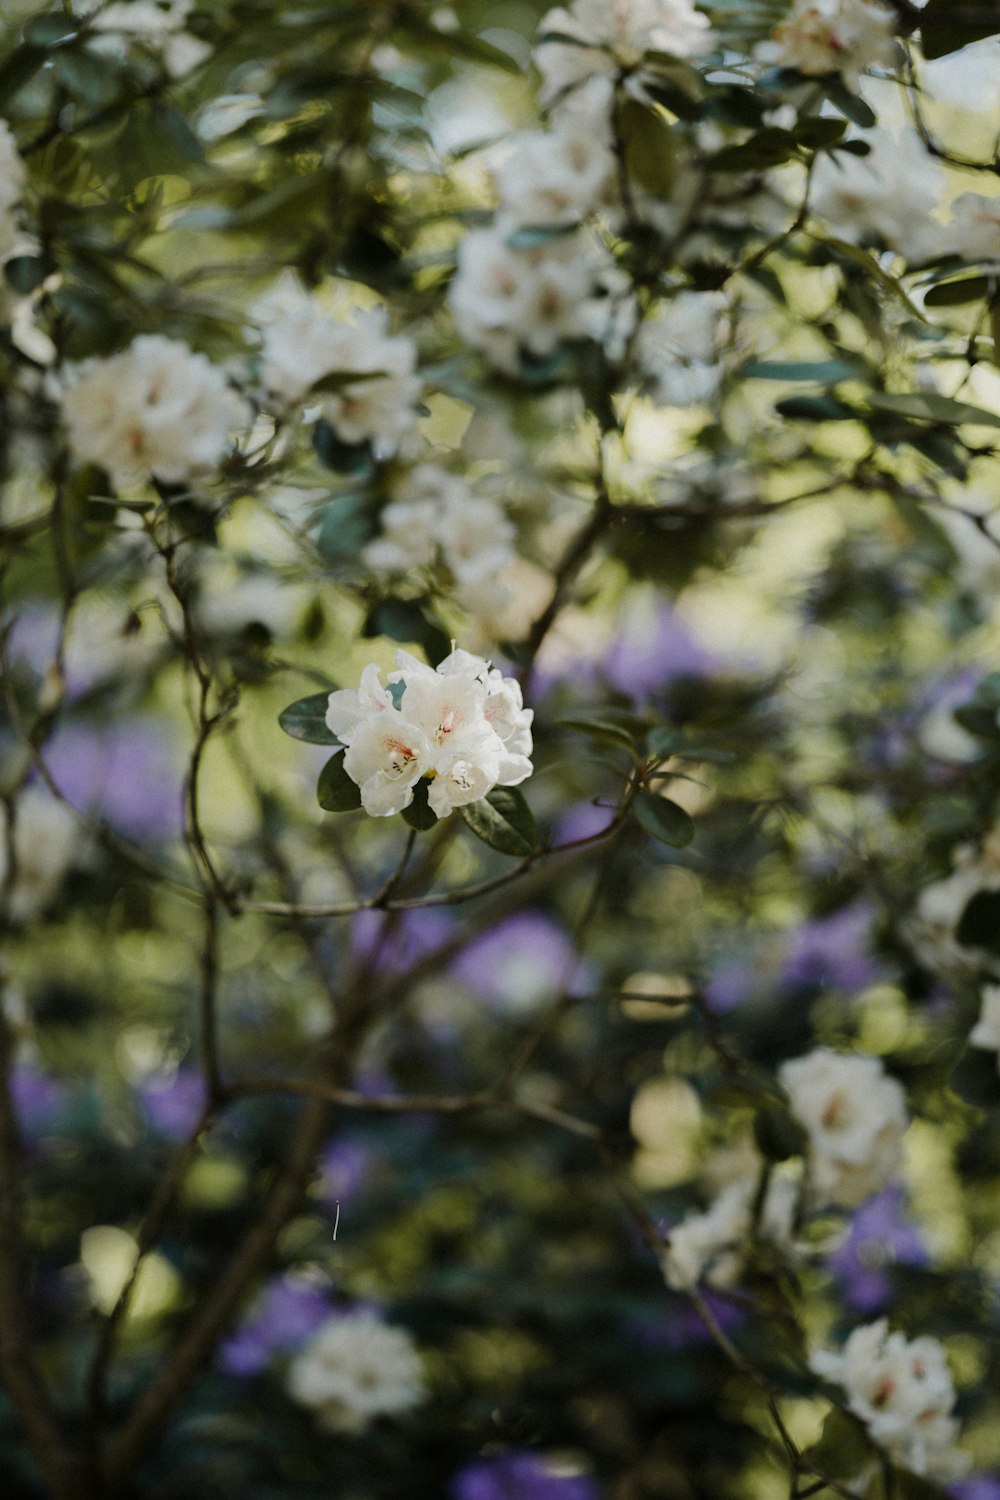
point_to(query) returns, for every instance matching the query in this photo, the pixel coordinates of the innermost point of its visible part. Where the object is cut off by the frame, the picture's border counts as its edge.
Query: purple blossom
(38, 1100)
(126, 772)
(832, 950)
(583, 821)
(343, 1167)
(172, 1104)
(976, 1487)
(653, 649)
(286, 1314)
(729, 984)
(684, 1328)
(399, 943)
(520, 963)
(521, 1476)
(880, 1236)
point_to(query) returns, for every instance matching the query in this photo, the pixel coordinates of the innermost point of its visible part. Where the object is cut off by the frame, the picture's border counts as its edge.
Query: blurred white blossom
(854, 1116)
(902, 1390)
(354, 1369)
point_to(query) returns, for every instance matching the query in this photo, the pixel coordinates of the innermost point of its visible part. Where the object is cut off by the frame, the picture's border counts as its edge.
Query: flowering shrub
(499, 747)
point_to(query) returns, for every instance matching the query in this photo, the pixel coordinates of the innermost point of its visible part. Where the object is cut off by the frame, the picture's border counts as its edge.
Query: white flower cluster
(13, 176)
(44, 842)
(554, 178)
(157, 408)
(462, 725)
(834, 36)
(158, 26)
(973, 231)
(887, 196)
(941, 904)
(303, 345)
(505, 299)
(356, 1368)
(611, 37)
(854, 1116)
(712, 1246)
(679, 344)
(902, 1390)
(434, 514)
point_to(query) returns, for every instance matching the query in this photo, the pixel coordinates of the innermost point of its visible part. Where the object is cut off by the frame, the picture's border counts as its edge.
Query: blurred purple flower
(729, 984)
(38, 1100)
(976, 1487)
(832, 950)
(286, 1314)
(396, 944)
(653, 649)
(171, 1105)
(521, 962)
(683, 1328)
(343, 1167)
(582, 822)
(880, 1236)
(126, 772)
(520, 1476)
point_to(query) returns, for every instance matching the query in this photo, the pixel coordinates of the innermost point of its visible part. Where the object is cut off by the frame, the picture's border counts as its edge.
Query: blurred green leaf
(335, 790)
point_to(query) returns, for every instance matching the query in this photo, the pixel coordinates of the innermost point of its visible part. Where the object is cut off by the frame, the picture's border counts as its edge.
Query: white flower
(986, 1032)
(13, 173)
(461, 726)
(157, 408)
(833, 36)
(304, 345)
(612, 35)
(888, 195)
(156, 25)
(504, 300)
(902, 1391)
(46, 838)
(973, 232)
(712, 1246)
(476, 538)
(354, 1369)
(678, 347)
(976, 542)
(555, 177)
(854, 1116)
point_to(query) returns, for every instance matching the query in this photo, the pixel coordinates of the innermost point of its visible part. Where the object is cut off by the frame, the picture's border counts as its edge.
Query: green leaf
(979, 924)
(407, 621)
(343, 458)
(503, 820)
(947, 25)
(975, 1078)
(777, 1133)
(599, 729)
(345, 525)
(849, 104)
(955, 293)
(50, 30)
(868, 263)
(816, 409)
(647, 144)
(25, 272)
(664, 820)
(929, 407)
(817, 131)
(305, 719)
(843, 1448)
(18, 69)
(769, 147)
(420, 814)
(826, 371)
(335, 791)
(90, 76)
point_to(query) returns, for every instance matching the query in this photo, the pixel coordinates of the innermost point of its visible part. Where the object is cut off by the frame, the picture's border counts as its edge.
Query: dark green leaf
(18, 69)
(407, 620)
(947, 25)
(420, 814)
(25, 272)
(979, 924)
(345, 525)
(769, 147)
(843, 1448)
(90, 76)
(647, 143)
(955, 293)
(849, 104)
(664, 820)
(305, 719)
(599, 729)
(825, 371)
(975, 1078)
(867, 262)
(930, 407)
(816, 409)
(343, 458)
(335, 790)
(817, 131)
(50, 30)
(503, 820)
(777, 1133)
